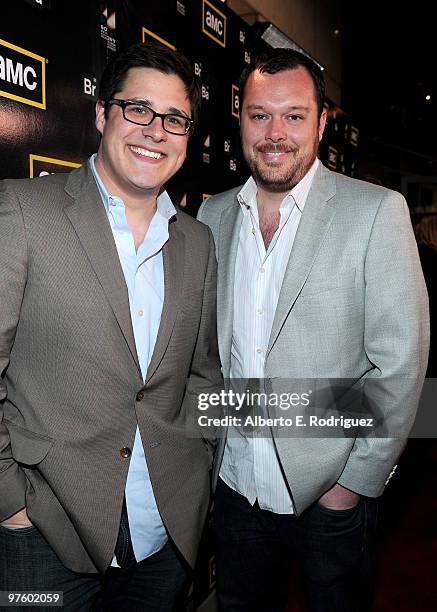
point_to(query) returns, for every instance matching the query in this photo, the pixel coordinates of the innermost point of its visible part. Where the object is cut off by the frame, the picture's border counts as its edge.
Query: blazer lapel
(230, 224)
(316, 218)
(88, 217)
(174, 265)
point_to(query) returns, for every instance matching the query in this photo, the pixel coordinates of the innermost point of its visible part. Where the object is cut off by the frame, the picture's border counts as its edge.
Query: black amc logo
(22, 75)
(235, 110)
(332, 158)
(42, 4)
(148, 35)
(41, 166)
(354, 136)
(213, 23)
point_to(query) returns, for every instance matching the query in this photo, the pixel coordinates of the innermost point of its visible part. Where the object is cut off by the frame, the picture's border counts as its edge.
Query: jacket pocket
(314, 286)
(27, 447)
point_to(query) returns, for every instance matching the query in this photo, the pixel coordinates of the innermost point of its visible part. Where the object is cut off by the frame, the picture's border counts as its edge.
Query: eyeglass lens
(144, 115)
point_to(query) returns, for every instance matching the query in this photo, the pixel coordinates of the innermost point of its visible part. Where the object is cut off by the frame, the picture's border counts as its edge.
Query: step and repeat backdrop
(52, 54)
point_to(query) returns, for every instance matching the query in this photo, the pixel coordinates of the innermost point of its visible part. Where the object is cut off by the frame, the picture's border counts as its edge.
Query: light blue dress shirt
(144, 275)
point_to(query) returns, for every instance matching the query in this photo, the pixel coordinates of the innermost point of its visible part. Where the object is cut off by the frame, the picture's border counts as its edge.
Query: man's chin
(275, 183)
(280, 181)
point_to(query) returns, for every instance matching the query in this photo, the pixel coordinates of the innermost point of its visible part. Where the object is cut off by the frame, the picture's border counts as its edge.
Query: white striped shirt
(250, 464)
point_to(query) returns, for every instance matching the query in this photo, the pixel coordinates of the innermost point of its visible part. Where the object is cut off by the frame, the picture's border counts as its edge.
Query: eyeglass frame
(123, 103)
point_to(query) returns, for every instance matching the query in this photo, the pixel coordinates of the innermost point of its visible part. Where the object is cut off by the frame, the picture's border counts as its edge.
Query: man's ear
(322, 123)
(100, 116)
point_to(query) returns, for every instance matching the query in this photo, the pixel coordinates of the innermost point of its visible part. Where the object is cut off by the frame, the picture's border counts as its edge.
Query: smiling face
(280, 128)
(135, 161)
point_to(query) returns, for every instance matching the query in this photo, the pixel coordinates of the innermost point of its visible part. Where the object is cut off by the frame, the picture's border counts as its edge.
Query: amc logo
(332, 158)
(354, 136)
(22, 75)
(43, 4)
(213, 23)
(148, 34)
(235, 110)
(41, 166)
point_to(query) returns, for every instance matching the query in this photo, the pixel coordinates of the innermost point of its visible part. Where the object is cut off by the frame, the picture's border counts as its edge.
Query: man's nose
(155, 129)
(276, 130)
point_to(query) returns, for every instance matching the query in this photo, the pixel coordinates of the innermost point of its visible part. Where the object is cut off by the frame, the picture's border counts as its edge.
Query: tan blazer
(71, 385)
(353, 307)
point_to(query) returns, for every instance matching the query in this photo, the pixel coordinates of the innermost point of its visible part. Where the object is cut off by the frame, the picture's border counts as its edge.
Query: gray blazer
(353, 305)
(71, 378)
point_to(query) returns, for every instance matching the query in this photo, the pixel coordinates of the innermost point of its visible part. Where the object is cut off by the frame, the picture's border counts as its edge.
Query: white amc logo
(19, 79)
(18, 75)
(213, 23)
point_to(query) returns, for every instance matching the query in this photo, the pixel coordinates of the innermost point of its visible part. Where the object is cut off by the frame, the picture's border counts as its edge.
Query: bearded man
(318, 280)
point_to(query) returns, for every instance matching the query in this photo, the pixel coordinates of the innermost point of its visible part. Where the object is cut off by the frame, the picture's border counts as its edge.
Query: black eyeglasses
(141, 114)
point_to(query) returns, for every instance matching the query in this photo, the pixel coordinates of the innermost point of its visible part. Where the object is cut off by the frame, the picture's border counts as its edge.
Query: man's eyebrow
(178, 111)
(287, 110)
(140, 101)
(255, 107)
(171, 110)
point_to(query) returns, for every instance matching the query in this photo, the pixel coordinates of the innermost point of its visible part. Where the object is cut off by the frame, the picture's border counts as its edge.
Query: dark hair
(277, 60)
(150, 55)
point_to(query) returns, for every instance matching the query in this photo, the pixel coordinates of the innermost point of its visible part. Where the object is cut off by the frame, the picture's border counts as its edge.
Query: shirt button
(140, 313)
(258, 350)
(260, 310)
(262, 270)
(125, 452)
(140, 396)
(112, 203)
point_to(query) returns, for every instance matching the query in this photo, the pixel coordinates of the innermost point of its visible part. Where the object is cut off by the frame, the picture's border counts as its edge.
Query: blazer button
(125, 452)
(140, 396)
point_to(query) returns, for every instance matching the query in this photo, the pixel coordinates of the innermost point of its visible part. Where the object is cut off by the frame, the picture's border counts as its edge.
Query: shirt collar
(163, 202)
(298, 195)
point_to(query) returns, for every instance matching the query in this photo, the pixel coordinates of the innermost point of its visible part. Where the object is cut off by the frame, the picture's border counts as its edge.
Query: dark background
(388, 68)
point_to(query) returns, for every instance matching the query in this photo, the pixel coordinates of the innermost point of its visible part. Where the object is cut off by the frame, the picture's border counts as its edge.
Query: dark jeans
(27, 563)
(255, 548)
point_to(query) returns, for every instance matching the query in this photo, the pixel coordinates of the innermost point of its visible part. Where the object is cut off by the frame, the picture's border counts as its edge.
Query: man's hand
(339, 498)
(17, 521)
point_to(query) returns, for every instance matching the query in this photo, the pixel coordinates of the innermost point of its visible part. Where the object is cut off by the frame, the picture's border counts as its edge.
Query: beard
(280, 178)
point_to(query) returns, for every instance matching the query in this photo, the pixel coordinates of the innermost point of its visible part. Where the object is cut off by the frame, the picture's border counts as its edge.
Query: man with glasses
(107, 330)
